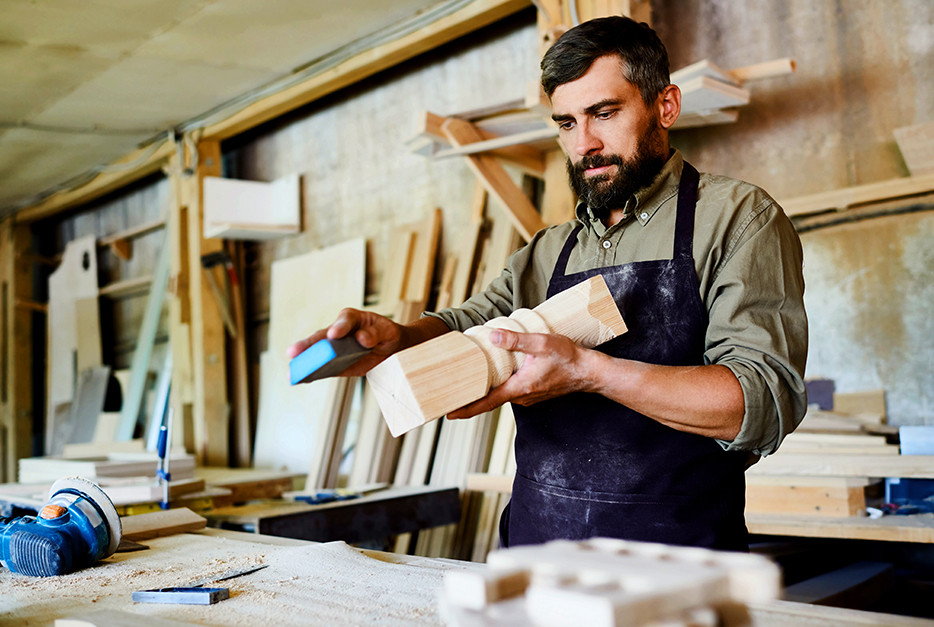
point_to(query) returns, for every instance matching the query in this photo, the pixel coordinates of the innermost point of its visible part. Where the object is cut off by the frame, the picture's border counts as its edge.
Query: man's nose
(587, 141)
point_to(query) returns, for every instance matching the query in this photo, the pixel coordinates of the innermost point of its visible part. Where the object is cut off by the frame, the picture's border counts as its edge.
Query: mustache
(597, 161)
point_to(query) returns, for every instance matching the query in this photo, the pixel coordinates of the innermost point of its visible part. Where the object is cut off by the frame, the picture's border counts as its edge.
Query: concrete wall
(864, 69)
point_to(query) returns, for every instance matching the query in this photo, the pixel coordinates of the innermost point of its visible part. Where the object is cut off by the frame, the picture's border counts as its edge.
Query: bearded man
(647, 436)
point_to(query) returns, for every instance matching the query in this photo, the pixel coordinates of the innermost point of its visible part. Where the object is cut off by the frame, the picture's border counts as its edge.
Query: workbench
(305, 584)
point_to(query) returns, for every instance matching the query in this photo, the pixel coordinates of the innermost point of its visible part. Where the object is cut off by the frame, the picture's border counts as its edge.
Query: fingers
(530, 343)
(298, 347)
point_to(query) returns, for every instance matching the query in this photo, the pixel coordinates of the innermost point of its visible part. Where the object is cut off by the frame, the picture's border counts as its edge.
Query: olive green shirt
(749, 267)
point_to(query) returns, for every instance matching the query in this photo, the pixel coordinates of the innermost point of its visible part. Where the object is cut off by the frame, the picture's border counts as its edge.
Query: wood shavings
(318, 584)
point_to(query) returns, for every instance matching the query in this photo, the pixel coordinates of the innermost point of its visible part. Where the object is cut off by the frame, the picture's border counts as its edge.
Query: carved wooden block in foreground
(423, 383)
(605, 582)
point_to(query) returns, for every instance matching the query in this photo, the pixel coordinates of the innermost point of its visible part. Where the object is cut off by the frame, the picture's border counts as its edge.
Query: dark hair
(645, 60)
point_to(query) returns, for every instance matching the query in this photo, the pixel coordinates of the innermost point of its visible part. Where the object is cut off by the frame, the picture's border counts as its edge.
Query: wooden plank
(427, 381)
(504, 240)
(395, 270)
(136, 286)
(469, 248)
(766, 69)
(208, 341)
(834, 499)
(74, 280)
(704, 67)
(247, 484)
(904, 466)
(182, 395)
(915, 528)
(131, 233)
(704, 93)
(422, 262)
(496, 180)
(841, 199)
(133, 400)
(790, 614)
(473, 16)
(374, 516)
(917, 146)
(161, 524)
(290, 421)
(493, 144)
(855, 586)
(242, 423)
(865, 402)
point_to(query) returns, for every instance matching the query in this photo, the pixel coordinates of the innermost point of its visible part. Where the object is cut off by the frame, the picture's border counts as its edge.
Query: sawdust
(318, 584)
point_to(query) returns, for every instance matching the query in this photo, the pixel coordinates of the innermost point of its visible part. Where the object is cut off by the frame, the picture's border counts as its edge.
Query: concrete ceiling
(84, 83)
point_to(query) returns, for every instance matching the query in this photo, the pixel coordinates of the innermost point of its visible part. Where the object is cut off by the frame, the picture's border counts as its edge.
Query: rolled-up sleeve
(758, 327)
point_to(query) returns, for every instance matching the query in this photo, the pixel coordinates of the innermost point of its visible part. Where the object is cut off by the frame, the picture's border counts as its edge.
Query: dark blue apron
(588, 466)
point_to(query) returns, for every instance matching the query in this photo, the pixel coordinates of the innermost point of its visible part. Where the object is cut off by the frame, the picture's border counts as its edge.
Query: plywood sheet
(74, 280)
(307, 293)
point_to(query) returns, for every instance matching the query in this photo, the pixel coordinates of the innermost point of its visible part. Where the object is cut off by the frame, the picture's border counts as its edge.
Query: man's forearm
(706, 400)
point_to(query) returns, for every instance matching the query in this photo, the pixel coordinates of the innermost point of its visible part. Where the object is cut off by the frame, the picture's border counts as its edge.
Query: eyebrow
(594, 108)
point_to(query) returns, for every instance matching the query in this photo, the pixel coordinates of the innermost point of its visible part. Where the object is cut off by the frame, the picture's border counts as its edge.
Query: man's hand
(371, 330)
(554, 366)
(374, 331)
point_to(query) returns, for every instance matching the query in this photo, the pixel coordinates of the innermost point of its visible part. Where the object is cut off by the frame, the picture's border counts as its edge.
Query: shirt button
(645, 216)
(606, 244)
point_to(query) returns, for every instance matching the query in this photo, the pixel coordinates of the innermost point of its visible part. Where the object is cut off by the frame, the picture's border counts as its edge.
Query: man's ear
(668, 106)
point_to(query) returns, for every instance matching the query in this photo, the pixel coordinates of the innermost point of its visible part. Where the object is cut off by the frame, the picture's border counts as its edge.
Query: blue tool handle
(163, 441)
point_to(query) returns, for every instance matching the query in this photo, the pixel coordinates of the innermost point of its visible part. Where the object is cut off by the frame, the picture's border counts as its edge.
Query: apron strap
(684, 225)
(562, 263)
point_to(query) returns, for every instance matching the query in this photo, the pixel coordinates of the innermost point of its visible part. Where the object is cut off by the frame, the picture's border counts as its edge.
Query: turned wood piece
(425, 382)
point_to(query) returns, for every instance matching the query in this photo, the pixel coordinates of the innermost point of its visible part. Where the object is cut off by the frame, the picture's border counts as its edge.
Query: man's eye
(566, 126)
(603, 115)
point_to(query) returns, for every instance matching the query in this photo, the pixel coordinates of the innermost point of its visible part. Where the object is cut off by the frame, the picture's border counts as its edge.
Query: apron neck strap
(684, 224)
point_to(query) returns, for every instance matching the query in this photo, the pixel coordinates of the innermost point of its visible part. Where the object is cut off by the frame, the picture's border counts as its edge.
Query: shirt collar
(646, 201)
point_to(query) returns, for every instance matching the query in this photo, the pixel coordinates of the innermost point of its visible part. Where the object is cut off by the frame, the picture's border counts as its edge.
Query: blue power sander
(77, 527)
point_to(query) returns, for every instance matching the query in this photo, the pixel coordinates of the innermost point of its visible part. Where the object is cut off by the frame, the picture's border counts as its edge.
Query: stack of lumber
(832, 462)
(115, 465)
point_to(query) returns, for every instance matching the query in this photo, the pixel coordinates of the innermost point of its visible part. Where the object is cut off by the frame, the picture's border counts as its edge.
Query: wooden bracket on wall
(495, 179)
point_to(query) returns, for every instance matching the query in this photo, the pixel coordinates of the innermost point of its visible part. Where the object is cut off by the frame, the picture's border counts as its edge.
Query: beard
(606, 192)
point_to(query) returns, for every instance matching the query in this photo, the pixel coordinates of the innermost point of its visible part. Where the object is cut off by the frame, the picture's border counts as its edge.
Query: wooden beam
(841, 199)
(16, 407)
(904, 466)
(127, 287)
(496, 180)
(210, 410)
(886, 529)
(472, 17)
(131, 233)
(160, 524)
(508, 148)
(101, 185)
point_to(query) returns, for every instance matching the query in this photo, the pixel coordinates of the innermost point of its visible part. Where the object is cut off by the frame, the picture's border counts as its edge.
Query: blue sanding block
(182, 596)
(325, 358)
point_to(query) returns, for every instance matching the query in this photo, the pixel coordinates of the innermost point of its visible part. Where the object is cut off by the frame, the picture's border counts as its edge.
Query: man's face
(614, 141)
